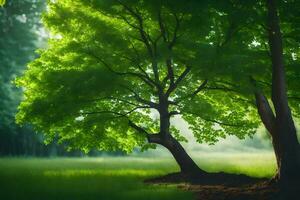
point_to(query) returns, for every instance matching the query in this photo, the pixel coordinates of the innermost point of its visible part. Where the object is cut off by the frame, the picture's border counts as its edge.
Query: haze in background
(259, 143)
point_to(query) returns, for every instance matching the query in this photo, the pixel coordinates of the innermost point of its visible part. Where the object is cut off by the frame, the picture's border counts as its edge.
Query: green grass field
(111, 178)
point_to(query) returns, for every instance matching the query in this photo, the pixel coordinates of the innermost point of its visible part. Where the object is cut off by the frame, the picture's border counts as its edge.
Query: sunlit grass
(85, 179)
(252, 164)
(112, 178)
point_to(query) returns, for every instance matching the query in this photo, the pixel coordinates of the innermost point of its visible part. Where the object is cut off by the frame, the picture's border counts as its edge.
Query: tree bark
(283, 130)
(268, 118)
(185, 162)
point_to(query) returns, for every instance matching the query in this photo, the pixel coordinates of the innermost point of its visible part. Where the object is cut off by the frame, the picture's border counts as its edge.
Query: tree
(252, 43)
(112, 64)
(19, 23)
(282, 127)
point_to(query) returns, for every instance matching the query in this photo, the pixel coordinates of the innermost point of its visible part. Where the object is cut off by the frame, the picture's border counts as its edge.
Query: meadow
(112, 178)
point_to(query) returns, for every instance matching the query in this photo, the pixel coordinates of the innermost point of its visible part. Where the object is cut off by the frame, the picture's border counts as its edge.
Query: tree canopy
(111, 64)
(244, 57)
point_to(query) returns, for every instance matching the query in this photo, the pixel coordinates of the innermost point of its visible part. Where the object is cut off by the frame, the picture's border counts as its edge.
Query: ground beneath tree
(260, 191)
(222, 186)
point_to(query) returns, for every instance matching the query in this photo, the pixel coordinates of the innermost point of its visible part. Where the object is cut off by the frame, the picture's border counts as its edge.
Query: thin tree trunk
(268, 118)
(283, 129)
(185, 162)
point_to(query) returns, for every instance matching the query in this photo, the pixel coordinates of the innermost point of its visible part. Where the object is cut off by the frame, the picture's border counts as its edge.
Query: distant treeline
(19, 27)
(31, 144)
(20, 35)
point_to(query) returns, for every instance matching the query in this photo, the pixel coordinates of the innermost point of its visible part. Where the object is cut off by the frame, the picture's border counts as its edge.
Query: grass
(252, 164)
(111, 178)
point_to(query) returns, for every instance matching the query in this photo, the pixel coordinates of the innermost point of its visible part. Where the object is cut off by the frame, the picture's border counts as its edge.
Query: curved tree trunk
(185, 162)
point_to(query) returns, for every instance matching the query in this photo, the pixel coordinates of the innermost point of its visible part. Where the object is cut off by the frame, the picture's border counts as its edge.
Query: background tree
(112, 64)
(20, 35)
(282, 127)
(249, 60)
(19, 21)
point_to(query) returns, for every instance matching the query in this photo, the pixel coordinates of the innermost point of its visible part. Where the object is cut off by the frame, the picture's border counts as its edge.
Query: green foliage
(177, 135)
(243, 53)
(148, 146)
(112, 62)
(2, 2)
(235, 117)
(290, 25)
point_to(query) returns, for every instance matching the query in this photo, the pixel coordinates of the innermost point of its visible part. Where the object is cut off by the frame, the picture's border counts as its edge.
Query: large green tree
(111, 65)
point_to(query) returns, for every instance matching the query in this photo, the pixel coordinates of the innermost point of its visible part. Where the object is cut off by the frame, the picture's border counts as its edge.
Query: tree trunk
(286, 148)
(185, 162)
(282, 129)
